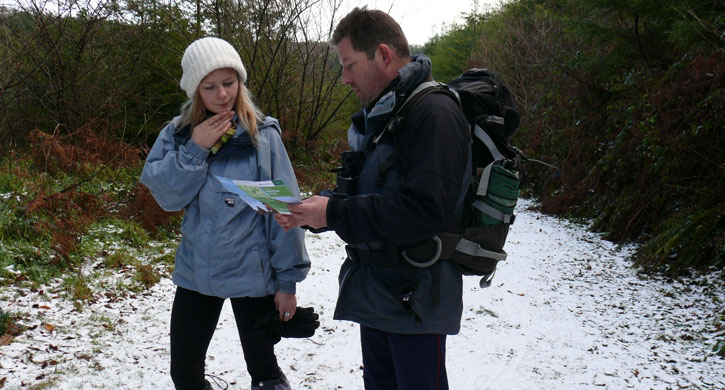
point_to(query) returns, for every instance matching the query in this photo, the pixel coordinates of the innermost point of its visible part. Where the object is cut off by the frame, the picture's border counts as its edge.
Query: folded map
(267, 196)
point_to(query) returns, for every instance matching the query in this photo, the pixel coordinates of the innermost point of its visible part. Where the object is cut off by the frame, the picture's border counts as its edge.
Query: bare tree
(67, 63)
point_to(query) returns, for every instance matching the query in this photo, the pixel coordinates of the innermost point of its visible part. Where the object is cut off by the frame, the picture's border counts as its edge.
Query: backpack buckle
(428, 263)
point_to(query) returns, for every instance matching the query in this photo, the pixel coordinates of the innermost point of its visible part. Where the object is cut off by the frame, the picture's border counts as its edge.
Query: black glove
(302, 325)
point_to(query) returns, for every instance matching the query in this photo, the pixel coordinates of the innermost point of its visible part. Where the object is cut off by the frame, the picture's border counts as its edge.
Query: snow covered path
(566, 311)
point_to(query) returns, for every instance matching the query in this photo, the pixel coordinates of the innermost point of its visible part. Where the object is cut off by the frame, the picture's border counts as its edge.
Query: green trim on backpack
(502, 195)
(491, 198)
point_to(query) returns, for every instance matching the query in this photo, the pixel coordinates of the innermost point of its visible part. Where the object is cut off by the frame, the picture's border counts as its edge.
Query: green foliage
(110, 233)
(77, 289)
(133, 234)
(719, 348)
(4, 321)
(114, 245)
(9, 325)
(450, 51)
(146, 275)
(166, 260)
(626, 98)
(121, 244)
(57, 222)
(685, 240)
(22, 246)
(118, 260)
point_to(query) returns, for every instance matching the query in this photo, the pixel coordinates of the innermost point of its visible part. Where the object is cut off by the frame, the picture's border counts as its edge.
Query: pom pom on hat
(204, 56)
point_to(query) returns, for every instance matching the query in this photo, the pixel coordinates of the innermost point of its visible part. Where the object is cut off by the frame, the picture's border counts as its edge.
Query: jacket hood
(409, 76)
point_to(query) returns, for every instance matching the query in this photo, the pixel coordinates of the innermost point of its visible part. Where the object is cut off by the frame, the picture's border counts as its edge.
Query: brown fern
(142, 207)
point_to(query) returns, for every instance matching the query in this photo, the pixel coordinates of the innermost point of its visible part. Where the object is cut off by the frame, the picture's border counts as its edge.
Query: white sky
(422, 19)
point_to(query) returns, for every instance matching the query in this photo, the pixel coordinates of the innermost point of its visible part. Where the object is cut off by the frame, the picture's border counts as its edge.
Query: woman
(227, 249)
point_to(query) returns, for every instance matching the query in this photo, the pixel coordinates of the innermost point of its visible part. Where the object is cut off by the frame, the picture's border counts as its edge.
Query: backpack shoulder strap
(397, 120)
(423, 90)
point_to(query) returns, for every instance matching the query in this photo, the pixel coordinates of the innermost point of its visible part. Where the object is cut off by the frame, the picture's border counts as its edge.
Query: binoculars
(348, 173)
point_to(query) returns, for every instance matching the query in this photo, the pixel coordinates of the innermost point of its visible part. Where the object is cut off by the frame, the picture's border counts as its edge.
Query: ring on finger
(215, 125)
(287, 314)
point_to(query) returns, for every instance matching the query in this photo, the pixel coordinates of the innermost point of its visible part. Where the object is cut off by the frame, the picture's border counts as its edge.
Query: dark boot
(273, 384)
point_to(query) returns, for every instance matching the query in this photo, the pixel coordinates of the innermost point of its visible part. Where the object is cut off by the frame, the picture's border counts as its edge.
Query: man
(408, 189)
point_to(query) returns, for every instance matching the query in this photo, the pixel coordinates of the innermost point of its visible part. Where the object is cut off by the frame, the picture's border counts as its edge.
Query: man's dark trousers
(394, 361)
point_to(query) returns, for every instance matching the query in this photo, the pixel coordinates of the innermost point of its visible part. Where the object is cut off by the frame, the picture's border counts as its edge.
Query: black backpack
(495, 175)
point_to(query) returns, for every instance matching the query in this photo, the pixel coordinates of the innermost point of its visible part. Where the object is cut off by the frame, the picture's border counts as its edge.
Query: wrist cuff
(197, 152)
(287, 287)
(333, 211)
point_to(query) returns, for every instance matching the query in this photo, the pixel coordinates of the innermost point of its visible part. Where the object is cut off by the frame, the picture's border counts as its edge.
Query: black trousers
(394, 361)
(194, 317)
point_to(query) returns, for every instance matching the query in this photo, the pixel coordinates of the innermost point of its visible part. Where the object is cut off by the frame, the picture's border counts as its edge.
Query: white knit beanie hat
(204, 56)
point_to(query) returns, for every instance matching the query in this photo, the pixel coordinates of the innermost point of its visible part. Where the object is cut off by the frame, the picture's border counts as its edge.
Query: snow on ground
(566, 311)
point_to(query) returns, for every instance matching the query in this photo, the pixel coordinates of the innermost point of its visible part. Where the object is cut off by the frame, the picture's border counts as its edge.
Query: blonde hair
(250, 116)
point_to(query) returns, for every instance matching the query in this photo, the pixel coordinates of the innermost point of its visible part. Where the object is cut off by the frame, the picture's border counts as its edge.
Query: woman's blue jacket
(227, 249)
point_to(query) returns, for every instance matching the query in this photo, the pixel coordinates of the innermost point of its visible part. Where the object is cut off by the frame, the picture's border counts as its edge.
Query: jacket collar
(367, 122)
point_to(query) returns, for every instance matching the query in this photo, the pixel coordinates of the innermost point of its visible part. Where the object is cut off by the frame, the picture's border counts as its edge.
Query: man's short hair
(367, 29)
